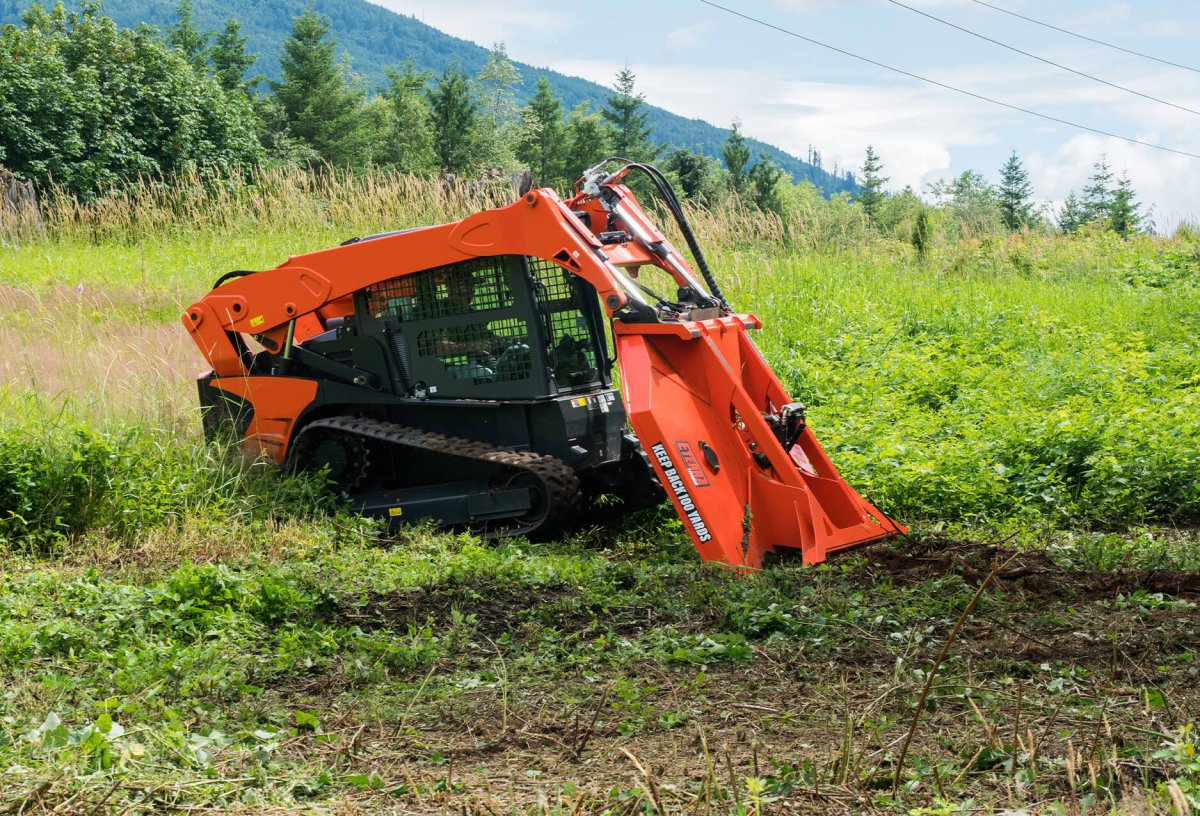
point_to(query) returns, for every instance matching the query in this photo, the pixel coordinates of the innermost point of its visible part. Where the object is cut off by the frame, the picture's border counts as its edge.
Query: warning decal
(679, 489)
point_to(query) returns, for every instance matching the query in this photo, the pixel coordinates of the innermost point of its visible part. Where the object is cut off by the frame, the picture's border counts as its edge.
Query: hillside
(376, 38)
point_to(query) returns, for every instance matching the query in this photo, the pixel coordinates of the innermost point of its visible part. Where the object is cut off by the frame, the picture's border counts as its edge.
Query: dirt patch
(496, 609)
(914, 561)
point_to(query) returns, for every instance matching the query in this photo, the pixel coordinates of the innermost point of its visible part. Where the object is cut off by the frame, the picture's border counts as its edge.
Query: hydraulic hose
(667, 192)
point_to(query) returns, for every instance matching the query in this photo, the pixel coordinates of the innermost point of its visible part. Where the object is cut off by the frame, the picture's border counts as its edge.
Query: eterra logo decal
(691, 464)
(676, 486)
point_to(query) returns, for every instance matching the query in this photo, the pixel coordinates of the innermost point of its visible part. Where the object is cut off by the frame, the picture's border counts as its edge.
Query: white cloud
(688, 36)
(486, 22)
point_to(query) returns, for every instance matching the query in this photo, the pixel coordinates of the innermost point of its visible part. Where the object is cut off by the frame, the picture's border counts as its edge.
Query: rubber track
(560, 482)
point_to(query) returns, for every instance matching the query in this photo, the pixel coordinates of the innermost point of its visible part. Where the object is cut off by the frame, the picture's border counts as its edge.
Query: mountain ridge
(375, 38)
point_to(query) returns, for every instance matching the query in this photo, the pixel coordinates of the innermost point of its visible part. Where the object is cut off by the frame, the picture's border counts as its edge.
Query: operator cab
(503, 327)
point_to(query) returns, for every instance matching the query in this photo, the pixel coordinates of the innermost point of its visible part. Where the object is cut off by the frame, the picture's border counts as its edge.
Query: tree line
(1107, 202)
(85, 104)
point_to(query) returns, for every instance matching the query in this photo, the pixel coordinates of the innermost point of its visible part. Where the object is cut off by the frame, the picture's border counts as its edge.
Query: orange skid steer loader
(463, 373)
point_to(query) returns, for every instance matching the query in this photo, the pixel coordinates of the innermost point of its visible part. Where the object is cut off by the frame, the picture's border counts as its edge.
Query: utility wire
(1085, 37)
(1042, 59)
(972, 94)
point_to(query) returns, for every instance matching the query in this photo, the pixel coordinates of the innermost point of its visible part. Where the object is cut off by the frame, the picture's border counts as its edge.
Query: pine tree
(321, 107)
(1124, 214)
(543, 143)
(764, 179)
(736, 154)
(1098, 195)
(1073, 215)
(589, 139)
(694, 173)
(454, 115)
(408, 145)
(187, 38)
(626, 111)
(1014, 192)
(872, 194)
(229, 58)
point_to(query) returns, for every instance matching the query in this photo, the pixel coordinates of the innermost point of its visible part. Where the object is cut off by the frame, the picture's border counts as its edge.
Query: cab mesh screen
(477, 285)
(569, 342)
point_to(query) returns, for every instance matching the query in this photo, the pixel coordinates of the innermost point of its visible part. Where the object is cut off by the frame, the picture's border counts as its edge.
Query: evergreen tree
(1014, 192)
(187, 38)
(408, 145)
(589, 139)
(1073, 215)
(764, 180)
(736, 154)
(323, 110)
(229, 58)
(1124, 214)
(543, 143)
(872, 194)
(626, 111)
(1098, 195)
(454, 115)
(495, 131)
(694, 173)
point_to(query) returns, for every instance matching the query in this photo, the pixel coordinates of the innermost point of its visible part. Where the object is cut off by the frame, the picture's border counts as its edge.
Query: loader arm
(745, 474)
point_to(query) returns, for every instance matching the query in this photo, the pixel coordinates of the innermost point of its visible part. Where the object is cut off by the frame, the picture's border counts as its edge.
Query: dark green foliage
(1072, 216)
(321, 107)
(1098, 194)
(764, 179)
(378, 39)
(184, 36)
(229, 57)
(89, 104)
(1014, 192)
(453, 119)
(697, 177)
(922, 231)
(59, 483)
(543, 142)
(872, 195)
(1123, 214)
(409, 142)
(736, 154)
(625, 110)
(589, 140)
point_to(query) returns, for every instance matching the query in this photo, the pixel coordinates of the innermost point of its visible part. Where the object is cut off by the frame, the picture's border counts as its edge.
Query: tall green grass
(1029, 379)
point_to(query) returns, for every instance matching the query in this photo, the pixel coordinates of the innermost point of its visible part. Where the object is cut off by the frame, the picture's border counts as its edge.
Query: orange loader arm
(744, 472)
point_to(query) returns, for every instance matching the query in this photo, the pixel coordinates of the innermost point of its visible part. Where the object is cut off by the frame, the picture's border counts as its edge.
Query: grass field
(179, 632)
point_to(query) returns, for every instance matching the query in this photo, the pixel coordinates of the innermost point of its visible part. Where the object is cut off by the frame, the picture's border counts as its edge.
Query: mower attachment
(745, 474)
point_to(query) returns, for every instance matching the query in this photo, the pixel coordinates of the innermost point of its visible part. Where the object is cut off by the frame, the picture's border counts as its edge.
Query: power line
(1042, 59)
(972, 94)
(1085, 37)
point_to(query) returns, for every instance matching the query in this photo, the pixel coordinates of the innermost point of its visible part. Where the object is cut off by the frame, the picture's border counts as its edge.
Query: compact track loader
(463, 373)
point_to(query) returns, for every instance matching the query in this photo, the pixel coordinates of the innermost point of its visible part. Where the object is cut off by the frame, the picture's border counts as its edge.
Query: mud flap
(699, 395)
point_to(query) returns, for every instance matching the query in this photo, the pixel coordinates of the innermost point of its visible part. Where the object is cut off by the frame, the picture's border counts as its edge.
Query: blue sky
(698, 61)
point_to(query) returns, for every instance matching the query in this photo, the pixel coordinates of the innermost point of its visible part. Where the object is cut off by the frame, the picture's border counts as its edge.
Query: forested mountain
(376, 38)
